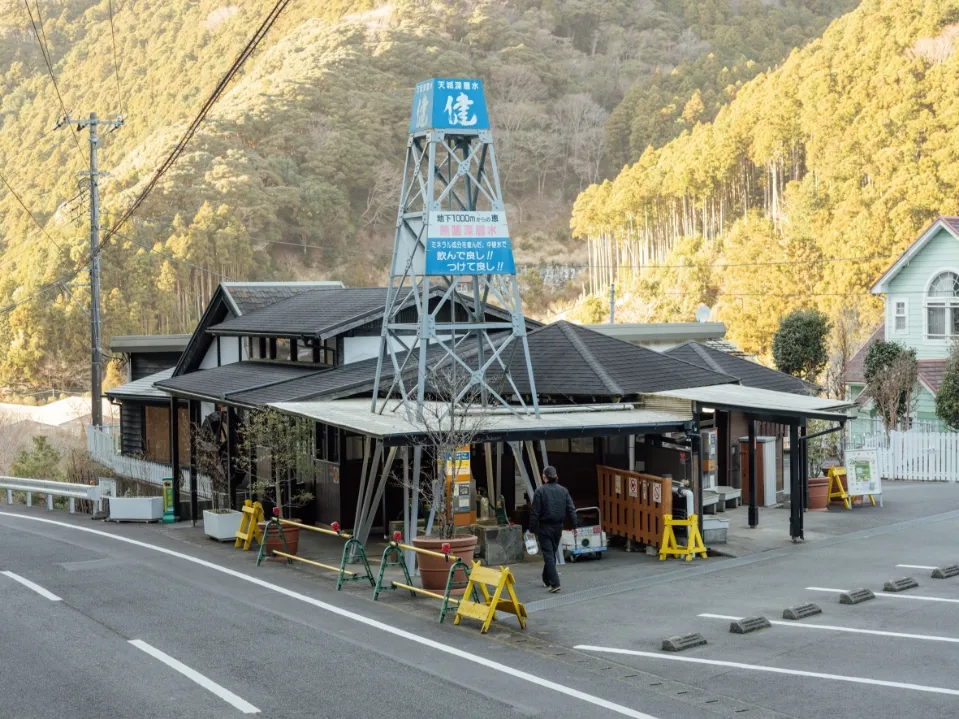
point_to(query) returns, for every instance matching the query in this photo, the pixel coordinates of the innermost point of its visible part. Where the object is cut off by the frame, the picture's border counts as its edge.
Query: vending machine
(710, 459)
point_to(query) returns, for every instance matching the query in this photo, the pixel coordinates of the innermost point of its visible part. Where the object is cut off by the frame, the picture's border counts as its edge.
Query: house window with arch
(942, 307)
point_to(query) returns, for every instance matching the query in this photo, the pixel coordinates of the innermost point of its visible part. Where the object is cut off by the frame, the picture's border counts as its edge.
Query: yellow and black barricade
(501, 580)
(669, 547)
(250, 525)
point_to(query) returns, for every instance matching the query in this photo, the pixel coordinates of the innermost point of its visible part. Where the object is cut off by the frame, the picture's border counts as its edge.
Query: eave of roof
(950, 224)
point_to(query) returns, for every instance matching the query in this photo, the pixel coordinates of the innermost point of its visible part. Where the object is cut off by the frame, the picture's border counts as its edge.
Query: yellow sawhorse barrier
(480, 578)
(694, 542)
(250, 525)
(837, 491)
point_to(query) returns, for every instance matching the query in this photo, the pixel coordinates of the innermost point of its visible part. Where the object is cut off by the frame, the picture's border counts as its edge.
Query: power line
(26, 209)
(720, 294)
(241, 58)
(40, 290)
(153, 250)
(719, 266)
(116, 62)
(45, 51)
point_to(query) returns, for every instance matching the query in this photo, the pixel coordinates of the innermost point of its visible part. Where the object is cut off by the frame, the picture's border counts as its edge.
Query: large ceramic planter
(273, 540)
(818, 494)
(221, 526)
(434, 571)
(136, 509)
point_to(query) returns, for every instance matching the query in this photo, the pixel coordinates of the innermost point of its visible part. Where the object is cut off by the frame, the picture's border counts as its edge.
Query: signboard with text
(468, 243)
(449, 104)
(862, 474)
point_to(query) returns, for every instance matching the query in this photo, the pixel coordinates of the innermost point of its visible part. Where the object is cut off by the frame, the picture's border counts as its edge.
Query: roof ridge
(713, 364)
(567, 329)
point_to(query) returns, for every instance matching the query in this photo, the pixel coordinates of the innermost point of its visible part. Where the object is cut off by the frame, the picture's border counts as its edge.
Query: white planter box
(714, 530)
(222, 527)
(136, 509)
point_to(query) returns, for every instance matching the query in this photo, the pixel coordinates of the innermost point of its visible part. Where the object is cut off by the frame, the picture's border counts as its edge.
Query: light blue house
(921, 291)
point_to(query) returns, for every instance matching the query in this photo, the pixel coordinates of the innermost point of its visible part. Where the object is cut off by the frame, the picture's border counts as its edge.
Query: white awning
(762, 401)
(554, 422)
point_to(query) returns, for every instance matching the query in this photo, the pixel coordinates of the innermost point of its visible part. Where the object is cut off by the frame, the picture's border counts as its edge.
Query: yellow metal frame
(249, 525)
(485, 612)
(278, 553)
(837, 491)
(669, 547)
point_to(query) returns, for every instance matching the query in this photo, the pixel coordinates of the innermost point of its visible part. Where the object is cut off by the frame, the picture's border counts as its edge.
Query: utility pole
(96, 324)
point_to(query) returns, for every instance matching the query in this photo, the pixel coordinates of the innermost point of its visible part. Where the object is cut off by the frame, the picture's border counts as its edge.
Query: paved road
(255, 646)
(282, 642)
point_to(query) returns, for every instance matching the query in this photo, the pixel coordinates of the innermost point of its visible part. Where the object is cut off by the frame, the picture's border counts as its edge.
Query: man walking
(551, 504)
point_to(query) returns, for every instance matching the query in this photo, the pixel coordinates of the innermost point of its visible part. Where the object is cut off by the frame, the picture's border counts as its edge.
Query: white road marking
(35, 587)
(772, 670)
(833, 628)
(889, 595)
(453, 651)
(195, 676)
(915, 566)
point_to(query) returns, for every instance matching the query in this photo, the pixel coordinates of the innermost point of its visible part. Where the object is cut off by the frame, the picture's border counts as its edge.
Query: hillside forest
(798, 194)
(294, 173)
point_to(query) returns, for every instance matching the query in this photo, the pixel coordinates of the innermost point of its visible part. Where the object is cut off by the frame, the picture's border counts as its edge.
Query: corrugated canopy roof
(149, 343)
(142, 388)
(575, 421)
(762, 401)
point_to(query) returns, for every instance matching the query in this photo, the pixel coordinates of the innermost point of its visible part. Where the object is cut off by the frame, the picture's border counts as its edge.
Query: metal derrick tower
(452, 260)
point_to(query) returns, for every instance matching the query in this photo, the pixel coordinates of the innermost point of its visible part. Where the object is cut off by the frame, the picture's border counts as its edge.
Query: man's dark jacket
(551, 503)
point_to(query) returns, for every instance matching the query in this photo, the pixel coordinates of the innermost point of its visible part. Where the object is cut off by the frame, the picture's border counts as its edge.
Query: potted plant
(818, 494)
(286, 442)
(451, 423)
(220, 522)
(134, 507)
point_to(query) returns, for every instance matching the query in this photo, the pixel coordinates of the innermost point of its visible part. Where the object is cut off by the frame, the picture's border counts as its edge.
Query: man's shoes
(546, 584)
(553, 590)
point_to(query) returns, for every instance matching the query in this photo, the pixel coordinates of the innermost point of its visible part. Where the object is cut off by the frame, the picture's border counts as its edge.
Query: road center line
(773, 670)
(888, 595)
(915, 566)
(195, 676)
(31, 585)
(833, 628)
(375, 624)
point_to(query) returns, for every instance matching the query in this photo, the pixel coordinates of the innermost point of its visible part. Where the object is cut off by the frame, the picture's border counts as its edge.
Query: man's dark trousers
(549, 536)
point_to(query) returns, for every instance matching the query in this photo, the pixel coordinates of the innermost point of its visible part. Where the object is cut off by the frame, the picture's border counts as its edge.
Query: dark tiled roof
(218, 382)
(856, 369)
(571, 360)
(308, 314)
(334, 383)
(323, 313)
(931, 372)
(749, 374)
(251, 296)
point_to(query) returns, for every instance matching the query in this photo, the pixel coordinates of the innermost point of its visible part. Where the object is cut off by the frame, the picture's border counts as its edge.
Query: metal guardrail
(51, 488)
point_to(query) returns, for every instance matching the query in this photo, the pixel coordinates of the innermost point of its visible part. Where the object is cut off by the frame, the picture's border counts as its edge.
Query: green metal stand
(353, 545)
(357, 547)
(399, 561)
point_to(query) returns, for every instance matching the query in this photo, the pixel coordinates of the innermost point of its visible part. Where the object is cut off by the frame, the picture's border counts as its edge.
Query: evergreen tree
(799, 346)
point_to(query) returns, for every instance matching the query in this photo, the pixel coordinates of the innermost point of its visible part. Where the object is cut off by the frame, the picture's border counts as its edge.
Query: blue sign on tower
(449, 104)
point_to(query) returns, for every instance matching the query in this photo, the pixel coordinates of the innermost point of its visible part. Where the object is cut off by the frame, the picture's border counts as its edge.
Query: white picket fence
(916, 455)
(103, 446)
